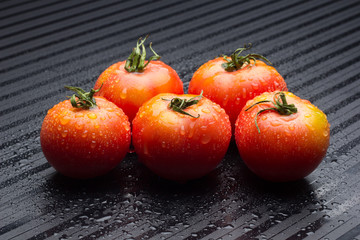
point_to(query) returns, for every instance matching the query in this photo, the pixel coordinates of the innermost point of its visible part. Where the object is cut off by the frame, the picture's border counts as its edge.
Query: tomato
(130, 83)
(232, 81)
(181, 137)
(85, 137)
(281, 137)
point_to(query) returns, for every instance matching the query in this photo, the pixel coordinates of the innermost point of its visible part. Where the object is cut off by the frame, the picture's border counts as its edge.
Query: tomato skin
(130, 90)
(231, 90)
(179, 147)
(83, 143)
(287, 148)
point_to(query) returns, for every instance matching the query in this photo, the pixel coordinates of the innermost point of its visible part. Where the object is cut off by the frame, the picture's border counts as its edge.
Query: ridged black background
(45, 45)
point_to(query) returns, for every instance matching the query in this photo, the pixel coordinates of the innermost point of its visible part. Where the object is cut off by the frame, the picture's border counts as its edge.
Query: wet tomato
(281, 137)
(232, 81)
(181, 137)
(85, 137)
(130, 83)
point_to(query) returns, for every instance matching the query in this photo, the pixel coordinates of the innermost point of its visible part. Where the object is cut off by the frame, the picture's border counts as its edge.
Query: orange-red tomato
(232, 89)
(130, 83)
(285, 147)
(129, 90)
(85, 143)
(177, 146)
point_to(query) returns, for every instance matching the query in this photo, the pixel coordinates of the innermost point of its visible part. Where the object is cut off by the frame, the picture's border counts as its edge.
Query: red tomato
(285, 143)
(177, 146)
(232, 81)
(85, 143)
(130, 83)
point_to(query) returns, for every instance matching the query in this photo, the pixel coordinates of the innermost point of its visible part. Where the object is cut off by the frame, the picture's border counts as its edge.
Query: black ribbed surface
(45, 45)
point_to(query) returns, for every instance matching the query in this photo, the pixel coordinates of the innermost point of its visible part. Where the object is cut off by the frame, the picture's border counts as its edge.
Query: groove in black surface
(15, 224)
(57, 21)
(32, 18)
(354, 232)
(348, 146)
(22, 121)
(15, 5)
(337, 86)
(24, 175)
(345, 124)
(348, 47)
(309, 228)
(20, 139)
(18, 157)
(111, 24)
(341, 104)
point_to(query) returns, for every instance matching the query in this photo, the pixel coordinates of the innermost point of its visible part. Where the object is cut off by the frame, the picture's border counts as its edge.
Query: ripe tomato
(232, 81)
(181, 137)
(85, 137)
(130, 83)
(281, 137)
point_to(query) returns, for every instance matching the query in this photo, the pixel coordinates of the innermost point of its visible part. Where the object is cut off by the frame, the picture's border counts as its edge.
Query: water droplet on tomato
(110, 109)
(182, 130)
(310, 126)
(237, 101)
(308, 115)
(326, 133)
(243, 93)
(93, 135)
(92, 115)
(93, 144)
(84, 134)
(163, 144)
(96, 125)
(126, 126)
(205, 139)
(205, 110)
(203, 128)
(123, 93)
(255, 85)
(78, 126)
(192, 129)
(59, 127)
(291, 127)
(64, 133)
(275, 123)
(79, 115)
(64, 120)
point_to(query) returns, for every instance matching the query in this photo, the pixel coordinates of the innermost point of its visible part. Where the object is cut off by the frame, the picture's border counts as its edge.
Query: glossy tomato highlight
(130, 83)
(181, 137)
(281, 137)
(87, 140)
(231, 81)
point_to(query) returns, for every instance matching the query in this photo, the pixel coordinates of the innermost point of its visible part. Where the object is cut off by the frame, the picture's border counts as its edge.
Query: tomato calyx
(280, 106)
(178, 104)
(136, 60)
(237, 62)
(82, 99)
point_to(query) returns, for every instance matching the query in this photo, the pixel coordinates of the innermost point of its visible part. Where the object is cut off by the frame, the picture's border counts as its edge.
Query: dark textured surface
(45, 45)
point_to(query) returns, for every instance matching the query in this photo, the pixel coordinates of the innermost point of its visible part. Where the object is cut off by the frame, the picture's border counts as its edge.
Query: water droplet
(255, 85)
(64, 133)
(205, 138)
(308, 115)
(182, 130)
(84, 134)
(64, 120)
(237, 101)
(79, 115)
(310, 126)
(203, 128)
(192, 129)
(205, 110)
(110, 109)
(123, 93)
(78, 126)
(93, 144)
(275, 123)
(126, 126)
(326, 133)
(163, 144)
(59, 127)
(96, 125)
(92, 115)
